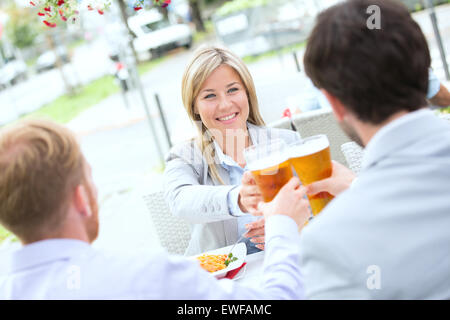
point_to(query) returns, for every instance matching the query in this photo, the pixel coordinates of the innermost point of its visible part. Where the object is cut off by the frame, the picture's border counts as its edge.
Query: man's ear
(81, 201)
(338, 108)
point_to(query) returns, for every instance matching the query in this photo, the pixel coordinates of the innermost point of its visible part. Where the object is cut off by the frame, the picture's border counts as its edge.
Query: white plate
(239, 251)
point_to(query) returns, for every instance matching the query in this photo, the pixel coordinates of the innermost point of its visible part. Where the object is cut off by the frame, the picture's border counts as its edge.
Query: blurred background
(115, 79)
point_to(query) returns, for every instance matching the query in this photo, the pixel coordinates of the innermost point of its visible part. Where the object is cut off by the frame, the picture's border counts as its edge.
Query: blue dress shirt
(73, 269)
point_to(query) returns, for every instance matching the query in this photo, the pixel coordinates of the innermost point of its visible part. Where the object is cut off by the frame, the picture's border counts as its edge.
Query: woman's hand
(289, 201)
(256, 232)
(340, 180)
(249, 196)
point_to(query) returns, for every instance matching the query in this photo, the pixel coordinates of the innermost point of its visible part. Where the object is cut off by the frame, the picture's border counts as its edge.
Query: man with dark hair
(387, 235)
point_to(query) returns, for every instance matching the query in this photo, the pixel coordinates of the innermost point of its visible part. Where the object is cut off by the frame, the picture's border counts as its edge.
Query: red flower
(32, 3)
(41, 14)
(49, 24)
(60, 2)
(165, 4)
(48, 9)
(100, 11)
(287, 113)
(90, 7)
(62, 15)
(137, 8)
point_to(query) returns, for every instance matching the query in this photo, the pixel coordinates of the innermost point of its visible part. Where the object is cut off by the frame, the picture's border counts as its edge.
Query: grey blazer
(388, 236)
(193, 196)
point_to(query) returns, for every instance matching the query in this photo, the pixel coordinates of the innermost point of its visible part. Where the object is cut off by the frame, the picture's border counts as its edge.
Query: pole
(138, 84)
(163, 120)
(297, 64)
(437, 34)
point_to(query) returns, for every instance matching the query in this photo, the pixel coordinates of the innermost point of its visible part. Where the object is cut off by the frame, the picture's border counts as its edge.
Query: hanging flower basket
(53, 11)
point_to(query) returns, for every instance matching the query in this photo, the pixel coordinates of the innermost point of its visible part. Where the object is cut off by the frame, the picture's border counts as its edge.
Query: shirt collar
(42, 252)
(397, 134)
(225, 160)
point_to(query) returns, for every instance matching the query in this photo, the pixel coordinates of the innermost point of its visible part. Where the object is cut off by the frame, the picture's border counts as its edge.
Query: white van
(156, 35)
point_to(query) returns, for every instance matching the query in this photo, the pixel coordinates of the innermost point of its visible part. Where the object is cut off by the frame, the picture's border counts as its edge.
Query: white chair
(173, 233)
(283, 123)
(353, 153)
(318, 122)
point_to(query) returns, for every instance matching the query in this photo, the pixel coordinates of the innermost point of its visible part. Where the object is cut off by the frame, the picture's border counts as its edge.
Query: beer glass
(269, 164)
(311, 159)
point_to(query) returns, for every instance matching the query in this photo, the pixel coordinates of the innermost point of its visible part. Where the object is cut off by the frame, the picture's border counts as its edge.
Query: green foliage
(200, 36)
(273, 53)
(67, 107)
(239, 5)
(5, 234)
(146, 66)
(21, 27)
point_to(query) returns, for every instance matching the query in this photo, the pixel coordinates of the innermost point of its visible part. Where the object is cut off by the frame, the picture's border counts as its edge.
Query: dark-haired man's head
(369, 71)
(46, 184)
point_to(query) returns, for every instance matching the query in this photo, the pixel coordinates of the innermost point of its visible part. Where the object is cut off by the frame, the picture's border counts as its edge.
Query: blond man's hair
(40, 165)
(202, 64)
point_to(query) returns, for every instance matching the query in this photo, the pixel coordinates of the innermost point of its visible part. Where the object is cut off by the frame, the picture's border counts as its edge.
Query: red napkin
(231, 274)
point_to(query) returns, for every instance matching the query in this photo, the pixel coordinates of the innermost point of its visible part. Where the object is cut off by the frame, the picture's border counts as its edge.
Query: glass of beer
(269, 164)
(311, 159)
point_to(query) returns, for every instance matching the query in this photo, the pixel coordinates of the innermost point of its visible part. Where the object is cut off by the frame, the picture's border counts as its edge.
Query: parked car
(12, 72)
(156, 34)
(47, 60)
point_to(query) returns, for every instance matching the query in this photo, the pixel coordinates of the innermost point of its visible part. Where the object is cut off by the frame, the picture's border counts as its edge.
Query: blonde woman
(203, 176)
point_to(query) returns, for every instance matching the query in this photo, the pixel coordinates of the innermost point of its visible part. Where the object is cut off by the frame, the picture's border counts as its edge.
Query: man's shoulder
(342, 214)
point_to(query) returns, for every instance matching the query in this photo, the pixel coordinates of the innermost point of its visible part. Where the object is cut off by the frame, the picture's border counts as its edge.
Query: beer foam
(268, 162)
(309, 147)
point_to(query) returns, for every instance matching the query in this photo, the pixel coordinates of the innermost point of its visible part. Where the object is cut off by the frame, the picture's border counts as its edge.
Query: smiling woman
(203, 176)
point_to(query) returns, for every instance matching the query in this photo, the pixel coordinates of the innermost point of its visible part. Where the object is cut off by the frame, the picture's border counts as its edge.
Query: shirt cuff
(232, 199)
(280, 225)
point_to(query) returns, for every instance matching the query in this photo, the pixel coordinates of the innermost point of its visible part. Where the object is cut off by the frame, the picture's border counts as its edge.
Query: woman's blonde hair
(203, 63)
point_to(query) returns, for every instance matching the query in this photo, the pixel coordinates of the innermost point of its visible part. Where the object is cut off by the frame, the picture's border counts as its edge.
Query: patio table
(251, 273)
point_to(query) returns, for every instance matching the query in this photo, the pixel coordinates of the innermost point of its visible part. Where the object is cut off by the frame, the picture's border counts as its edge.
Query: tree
(123, 12)
(196, 15)
(21, 27)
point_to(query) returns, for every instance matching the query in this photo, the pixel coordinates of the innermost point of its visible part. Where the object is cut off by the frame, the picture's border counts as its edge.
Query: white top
(387, 237)
(72, 269)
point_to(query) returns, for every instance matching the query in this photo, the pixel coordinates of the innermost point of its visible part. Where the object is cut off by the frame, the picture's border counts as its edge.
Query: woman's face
(222, 101)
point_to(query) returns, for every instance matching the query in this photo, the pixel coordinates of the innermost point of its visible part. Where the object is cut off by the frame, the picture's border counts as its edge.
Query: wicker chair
(283, 123)
(318, 122)
(173, 233)
(353, 154)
